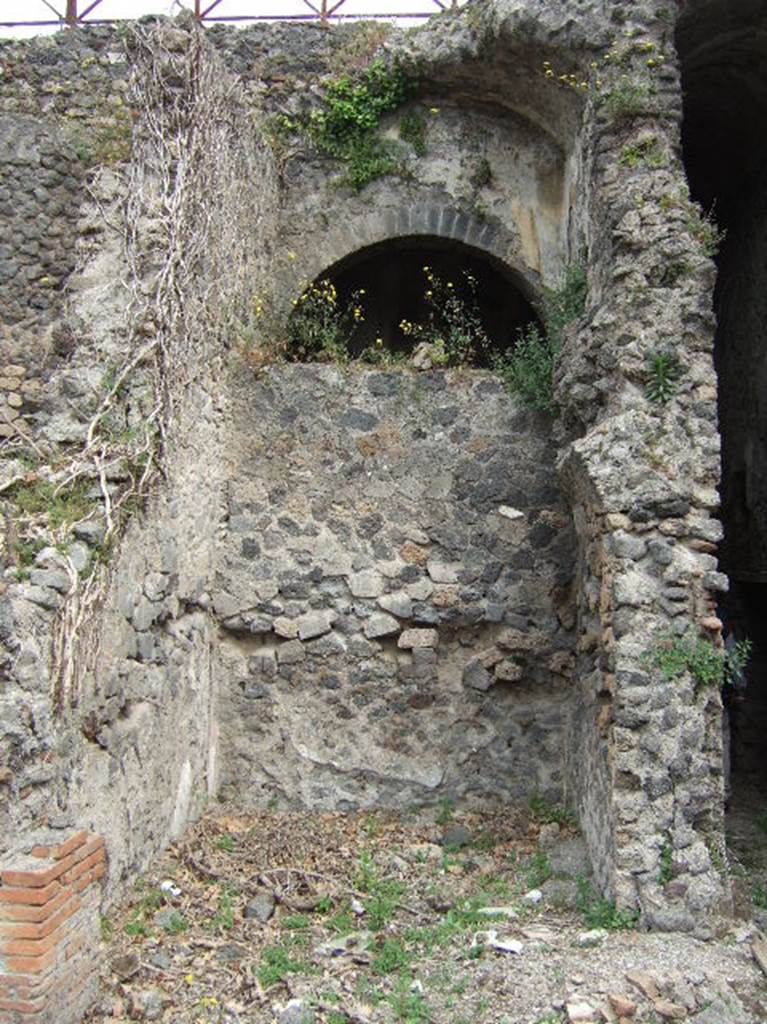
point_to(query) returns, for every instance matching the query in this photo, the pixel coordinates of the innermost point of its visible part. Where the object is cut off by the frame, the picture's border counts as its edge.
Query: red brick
(17, 912)
(22, 1006)
(30, 964)
(21, 987)
(31, 947)
(61, 849)
(28, 896)
(28, 930)
(43, 877)
(83, 866)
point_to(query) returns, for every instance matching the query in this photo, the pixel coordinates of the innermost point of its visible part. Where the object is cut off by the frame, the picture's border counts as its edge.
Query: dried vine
(188, 250)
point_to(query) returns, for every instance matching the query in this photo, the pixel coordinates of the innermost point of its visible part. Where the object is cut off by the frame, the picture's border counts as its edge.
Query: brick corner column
(49, 929)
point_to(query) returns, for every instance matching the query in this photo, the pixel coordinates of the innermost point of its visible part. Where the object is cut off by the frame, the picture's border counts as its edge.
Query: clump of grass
(601, 913)
(627, 100)
(536, 869)
(276, 964)
(646, 152)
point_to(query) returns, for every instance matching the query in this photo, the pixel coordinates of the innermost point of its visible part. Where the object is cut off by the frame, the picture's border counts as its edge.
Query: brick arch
(434, 221)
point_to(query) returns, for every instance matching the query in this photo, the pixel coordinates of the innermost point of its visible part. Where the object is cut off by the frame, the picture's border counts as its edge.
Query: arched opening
(392, 282)
(723, 51)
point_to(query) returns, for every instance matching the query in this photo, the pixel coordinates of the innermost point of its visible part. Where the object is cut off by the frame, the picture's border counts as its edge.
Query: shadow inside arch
(392, 274)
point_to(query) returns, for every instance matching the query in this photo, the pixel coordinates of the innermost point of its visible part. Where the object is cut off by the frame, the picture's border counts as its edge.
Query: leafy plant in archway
(320, 327)
(453, 325)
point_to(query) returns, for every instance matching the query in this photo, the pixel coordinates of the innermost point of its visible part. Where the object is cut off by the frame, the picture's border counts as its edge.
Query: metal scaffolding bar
(324, 11)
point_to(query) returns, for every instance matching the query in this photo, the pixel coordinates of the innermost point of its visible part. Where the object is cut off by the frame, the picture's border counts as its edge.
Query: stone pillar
(49, 929)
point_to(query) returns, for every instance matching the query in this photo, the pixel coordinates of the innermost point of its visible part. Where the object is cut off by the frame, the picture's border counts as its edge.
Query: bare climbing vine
(189, 238)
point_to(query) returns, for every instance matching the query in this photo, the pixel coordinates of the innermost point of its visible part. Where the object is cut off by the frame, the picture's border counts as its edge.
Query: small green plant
(445, 812)
(223, 919)
(392, 957)
(627, 100)
(454, 323)
(412, 129)
(482, 175)
(324, 905)
(276, 964)
(320, 327)
(666, 863)
(536, 869)
(663, 373)
(601, 913)
(546, 813)
(225, 843)
(647, 152)
(295, 922)
(176, 924)
(137, 927)
(61, 506)
(383, 903)
(408, 1006)
(528, 367)
(759, 896)
(704, 229)
(708, 665)
(367, 876)
(342, 922)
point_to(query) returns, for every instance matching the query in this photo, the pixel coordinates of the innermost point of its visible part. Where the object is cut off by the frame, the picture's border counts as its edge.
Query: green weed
(708, 665)
(61, 507)
(546, 813)
(392, 957)
(445, 812)
(225, 843)
(536, 869)
(666, 863)
(347, 127)
(409, 1007)
(276, 964)
(223, 919)
(295, 922)
(704, 229)
(647, 152)
(412, 129)
(528, 367)
(663, 373)
(601, 913)
(627, 100)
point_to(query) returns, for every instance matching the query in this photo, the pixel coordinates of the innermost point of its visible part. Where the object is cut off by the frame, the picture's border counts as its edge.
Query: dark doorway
(723, 50)
(394, 281)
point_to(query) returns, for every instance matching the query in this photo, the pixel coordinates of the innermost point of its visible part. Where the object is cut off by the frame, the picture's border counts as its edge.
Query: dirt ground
(430, 918)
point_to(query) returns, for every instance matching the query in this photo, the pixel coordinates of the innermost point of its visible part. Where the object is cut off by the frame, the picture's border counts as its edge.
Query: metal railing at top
(78, 12)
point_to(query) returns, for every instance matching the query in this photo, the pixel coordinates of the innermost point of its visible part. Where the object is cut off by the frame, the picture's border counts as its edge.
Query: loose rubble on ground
(349, 919)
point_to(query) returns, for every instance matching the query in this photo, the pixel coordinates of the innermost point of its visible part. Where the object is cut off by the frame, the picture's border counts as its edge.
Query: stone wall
(642, 477)
(385, 553)
(82, 732)
(393, 592)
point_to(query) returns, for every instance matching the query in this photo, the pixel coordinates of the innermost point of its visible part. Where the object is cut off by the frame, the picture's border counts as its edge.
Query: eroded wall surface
(392, 592)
